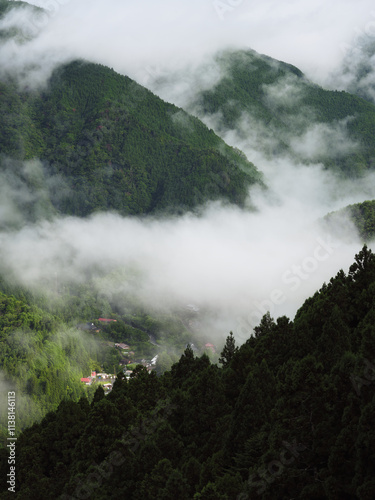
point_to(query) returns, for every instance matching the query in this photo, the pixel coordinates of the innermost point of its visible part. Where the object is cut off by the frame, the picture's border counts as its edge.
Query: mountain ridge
(286, 113)
(117, 146)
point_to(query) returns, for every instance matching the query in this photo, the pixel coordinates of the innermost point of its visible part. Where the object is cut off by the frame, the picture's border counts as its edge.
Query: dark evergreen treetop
(228, 351)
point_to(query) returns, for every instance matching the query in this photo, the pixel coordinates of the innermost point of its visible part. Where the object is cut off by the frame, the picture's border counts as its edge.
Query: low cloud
(293, 132)
(285, 93)
(26, 191)
(356, 74)
(322, 140)
(132, 38)
(232, 263)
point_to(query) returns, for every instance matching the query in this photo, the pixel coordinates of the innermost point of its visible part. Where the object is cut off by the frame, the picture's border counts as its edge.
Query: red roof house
(210, 346)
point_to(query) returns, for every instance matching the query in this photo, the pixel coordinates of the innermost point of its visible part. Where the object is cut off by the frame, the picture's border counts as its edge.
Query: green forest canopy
(290, 415)
(106, 143)
(282, 104)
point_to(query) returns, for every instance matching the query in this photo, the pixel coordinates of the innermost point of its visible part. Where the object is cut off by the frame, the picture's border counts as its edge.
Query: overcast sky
(129, 36)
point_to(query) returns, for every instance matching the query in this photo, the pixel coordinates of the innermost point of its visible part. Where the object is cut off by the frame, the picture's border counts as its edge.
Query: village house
(106, 320)
(98, 377)
(122, 346)
(103, 376)
(211, 347)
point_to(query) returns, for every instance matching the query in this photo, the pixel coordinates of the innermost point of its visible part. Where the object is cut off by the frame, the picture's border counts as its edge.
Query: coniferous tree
(265, 326)
(229, 351)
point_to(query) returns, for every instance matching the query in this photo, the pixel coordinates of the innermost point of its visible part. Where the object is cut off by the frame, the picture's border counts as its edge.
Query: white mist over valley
(187, 226)
(233, 264)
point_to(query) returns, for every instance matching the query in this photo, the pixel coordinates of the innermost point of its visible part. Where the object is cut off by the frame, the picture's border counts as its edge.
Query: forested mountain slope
(107, 143)
(275, 106)
(12, 30)
(362, 215)
(41, 358)
(46, 347)
(289, 415)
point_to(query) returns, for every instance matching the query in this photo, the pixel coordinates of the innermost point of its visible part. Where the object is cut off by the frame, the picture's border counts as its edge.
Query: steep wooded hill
(106, 143)
(276, 104)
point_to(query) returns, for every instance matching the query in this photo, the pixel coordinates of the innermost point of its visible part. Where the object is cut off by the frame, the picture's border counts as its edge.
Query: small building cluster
(95, 378)
(149, 364)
